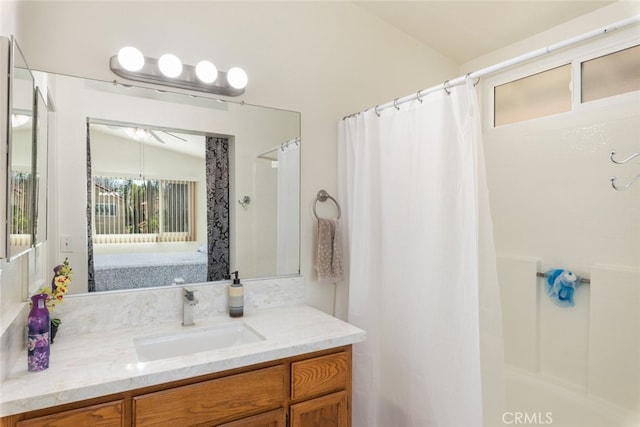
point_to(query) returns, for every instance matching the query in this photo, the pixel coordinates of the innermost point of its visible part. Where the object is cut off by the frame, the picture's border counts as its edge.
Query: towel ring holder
(323, 196)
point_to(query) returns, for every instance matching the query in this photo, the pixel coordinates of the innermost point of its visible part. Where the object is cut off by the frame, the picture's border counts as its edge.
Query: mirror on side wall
(164, 173)
(41, 169)
(20, 170)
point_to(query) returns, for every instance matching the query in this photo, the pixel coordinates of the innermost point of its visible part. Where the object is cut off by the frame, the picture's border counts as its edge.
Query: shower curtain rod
(282, 146)
(506, 64)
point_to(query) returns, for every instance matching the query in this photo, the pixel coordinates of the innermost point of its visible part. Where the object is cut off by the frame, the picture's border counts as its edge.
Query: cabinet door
(275, 418)
(103, 415)
(213, 402)
(326, 411)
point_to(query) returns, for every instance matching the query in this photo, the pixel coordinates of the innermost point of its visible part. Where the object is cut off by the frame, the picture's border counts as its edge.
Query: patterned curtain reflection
(217, 160)
(91, 279)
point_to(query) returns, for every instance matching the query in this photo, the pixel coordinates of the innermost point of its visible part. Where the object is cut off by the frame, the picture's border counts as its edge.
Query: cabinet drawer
(103, 415)
(213, 401)
(320, 375)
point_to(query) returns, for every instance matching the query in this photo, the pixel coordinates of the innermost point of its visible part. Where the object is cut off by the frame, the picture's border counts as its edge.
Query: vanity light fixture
(168, 70)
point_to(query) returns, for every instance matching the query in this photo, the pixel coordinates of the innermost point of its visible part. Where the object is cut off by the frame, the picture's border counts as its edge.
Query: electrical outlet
(66, 244)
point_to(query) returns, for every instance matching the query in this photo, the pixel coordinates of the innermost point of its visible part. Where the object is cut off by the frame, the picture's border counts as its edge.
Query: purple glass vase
(38, 341)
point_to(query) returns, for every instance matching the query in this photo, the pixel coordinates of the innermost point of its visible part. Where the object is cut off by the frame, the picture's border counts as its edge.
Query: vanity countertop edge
(97, 364)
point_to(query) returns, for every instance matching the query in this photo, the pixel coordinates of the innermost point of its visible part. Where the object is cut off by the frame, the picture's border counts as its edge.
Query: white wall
(7, 18)
(323, 59)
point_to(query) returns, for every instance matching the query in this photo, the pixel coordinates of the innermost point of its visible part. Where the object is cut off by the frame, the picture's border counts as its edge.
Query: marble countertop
(91, 365)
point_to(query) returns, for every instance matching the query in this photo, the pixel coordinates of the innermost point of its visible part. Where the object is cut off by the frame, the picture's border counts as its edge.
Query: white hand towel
(329, 251)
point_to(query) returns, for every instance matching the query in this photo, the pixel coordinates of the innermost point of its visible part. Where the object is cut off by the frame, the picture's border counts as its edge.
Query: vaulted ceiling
(464, 30)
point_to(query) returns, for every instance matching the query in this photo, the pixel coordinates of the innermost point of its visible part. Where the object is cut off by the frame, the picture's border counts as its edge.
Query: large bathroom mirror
(167, 188)
(20, 174)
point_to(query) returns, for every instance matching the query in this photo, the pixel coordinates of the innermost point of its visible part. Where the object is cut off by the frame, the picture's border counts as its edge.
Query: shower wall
(553, 207)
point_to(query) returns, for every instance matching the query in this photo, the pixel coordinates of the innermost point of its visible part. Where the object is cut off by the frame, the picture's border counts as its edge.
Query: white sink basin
(191, 341)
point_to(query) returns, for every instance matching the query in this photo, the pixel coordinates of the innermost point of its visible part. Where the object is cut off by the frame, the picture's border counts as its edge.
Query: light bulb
(130, 58)
(206, 72)
(140, 134)
(170, 65)
(237, 78)
(18, 120)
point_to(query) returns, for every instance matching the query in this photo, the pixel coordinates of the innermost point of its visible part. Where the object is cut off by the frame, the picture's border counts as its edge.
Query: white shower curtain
(288, 208)
(422, 277)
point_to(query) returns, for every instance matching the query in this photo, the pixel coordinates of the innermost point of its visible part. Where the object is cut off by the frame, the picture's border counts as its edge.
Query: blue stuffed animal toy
(560, 287)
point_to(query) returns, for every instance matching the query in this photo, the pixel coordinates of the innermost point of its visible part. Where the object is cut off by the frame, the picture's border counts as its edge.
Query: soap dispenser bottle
(236, 297)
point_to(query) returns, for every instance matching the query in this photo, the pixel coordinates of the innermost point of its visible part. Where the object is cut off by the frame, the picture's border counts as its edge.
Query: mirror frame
(14, 50)
(40, 169)
(38, 157)
(5, 127)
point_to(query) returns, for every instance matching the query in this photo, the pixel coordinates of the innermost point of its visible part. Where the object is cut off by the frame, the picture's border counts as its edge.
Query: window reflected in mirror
(149, 220)
(22, 196)
(130, 210)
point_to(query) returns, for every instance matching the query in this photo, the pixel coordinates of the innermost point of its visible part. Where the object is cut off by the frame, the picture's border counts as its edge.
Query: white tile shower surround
(518, 286)
(614, 341)
(94, 353)
(592, 348)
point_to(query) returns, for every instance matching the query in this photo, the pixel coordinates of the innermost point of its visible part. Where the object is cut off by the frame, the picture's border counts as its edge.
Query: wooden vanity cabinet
(110, 414)
(311, 390)
(275, 418)
(213, 402)
(327, 411)
(321, 391)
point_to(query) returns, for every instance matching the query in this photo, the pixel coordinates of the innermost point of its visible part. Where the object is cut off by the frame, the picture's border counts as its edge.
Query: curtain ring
(446, 87)
(377, 111)
(395, 104)
(474, 83)
(419, 96)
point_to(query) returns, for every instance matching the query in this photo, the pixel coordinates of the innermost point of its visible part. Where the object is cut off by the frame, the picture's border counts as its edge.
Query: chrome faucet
(188, 302)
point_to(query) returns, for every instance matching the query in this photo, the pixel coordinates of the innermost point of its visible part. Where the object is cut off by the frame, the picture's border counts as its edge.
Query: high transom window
(538, 95)
(565, 87)
(610, 75)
